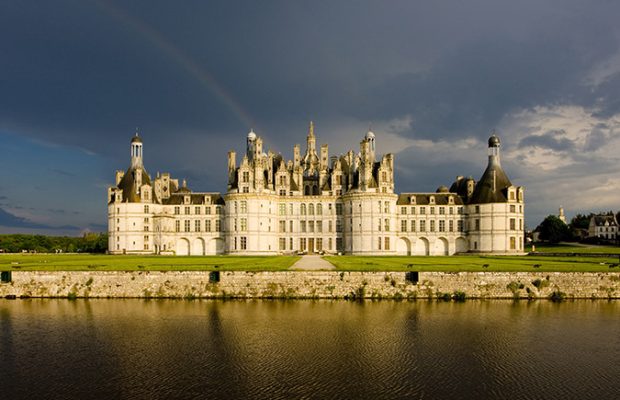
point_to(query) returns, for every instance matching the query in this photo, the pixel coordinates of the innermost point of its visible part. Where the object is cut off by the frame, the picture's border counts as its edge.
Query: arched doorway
(461, 245)
(441, 247)
(422, 247)
(403, 246)
(182, 247)
(216, 246)
(198, 247)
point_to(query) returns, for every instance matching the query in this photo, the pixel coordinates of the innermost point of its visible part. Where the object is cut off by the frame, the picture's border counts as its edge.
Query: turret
(136, 152)
(251, 145)
(232, 166)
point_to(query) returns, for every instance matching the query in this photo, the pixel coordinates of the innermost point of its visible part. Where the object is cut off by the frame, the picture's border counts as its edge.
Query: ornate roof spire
(311, 130)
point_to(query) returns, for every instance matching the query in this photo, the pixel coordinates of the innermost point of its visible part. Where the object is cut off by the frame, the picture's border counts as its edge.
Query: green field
(88, 262)
(574, 248)
(476, 263)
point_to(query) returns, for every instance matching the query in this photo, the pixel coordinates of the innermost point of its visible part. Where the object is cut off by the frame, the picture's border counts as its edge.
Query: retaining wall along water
(310, 284)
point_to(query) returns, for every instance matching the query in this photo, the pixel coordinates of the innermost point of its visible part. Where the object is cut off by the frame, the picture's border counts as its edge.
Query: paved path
(312, 263)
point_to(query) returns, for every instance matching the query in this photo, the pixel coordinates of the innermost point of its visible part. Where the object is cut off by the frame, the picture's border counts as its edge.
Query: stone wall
(320, 284)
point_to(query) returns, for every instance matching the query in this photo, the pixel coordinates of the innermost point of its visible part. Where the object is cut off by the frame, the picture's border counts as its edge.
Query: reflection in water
(308, 349)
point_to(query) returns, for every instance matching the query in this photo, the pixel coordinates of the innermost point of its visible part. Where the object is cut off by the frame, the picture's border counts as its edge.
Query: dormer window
(186, 199)
(431, 200)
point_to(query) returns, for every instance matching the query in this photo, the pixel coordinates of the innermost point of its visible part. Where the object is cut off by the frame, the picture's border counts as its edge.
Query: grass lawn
(91, 262)
(474, 263)
(574, 248)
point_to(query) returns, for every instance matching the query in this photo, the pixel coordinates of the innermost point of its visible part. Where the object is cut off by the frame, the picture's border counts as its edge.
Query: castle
(313, 203)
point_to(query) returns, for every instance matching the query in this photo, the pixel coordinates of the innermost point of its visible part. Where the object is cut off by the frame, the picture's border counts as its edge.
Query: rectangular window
(379, 242)
(319, 226)
(197, 210)
(513, 242)
(386, 207)
(302, 244)
(244, 224)
(442, 210)
(330, 244)
(432, 210)
(282, 209)
(177, 210)
(387, 243)
(302, 226)
(319, 244)
(282, 244)
(459, 210)
(208, 226)
(146, 209)
(520, 224)
(282, 226)
(208, 210)
(442, 226)
(177, 226)
(187, 225)
(146, 228)
(244, 243)
(477, 209)
(477, 225)
(290, 243)
(412, 226)
(197, 225)
(451, 210)
(451, 226)
(412, 210)
(330, 226)
(218, 225)
(290, 226)
(432, 225)
(310, 226)
(459, 225)
(423, 210)
(338, 209)
(387, 224)
(403, 210)
(246, 177)
(319, 209)
(187, 210)
(338, 225)
(403, 226)
(513, 208)
(244, 206)
(513, 224)
(423, 226)
(218, 210)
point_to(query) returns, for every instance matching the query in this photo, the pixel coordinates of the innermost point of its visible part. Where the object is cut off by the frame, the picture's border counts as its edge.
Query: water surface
(309, 349)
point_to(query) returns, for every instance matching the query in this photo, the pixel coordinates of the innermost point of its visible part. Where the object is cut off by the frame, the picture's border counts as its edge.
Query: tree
(580, 221)
(553, 230)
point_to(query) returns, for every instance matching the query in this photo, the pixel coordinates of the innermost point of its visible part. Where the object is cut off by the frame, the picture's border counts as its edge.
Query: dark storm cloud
(9, 220)
(192, 76)
(553, 140)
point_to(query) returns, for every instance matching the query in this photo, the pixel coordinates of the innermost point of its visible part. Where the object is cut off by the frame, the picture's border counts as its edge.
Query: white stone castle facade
(313, 204)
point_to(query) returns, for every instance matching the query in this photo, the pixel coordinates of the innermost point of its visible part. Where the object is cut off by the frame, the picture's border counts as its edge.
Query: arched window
(307, 190)
(315, 190)
(302, 209)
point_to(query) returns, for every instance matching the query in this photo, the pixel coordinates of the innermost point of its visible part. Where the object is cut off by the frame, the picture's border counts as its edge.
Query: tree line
(553, 230)
(88, 243)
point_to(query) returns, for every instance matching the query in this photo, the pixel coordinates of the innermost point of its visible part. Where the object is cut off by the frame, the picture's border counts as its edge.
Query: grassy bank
(475, 263)
(574, 248)
(88, 262)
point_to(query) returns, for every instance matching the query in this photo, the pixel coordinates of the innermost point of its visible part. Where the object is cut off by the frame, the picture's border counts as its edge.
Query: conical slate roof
(127, 184)
(492, 187)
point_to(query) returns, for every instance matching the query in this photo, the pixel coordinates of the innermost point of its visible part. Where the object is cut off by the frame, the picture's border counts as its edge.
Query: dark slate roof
(486, 192)
(599, 220)
(195, 199)
(127, 184)
(423, 199)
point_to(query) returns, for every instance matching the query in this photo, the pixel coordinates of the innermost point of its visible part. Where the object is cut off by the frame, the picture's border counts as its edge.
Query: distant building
(603, 227)
(561, 215)
(313, 203)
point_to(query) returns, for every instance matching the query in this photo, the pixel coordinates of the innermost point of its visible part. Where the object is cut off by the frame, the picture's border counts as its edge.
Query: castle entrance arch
(461, 245)
(403, 246)
(198, 247)
(441, 247)
(422, 247)
(182, 247)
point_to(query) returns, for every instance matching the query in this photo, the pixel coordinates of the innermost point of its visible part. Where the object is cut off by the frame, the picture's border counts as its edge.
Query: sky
(432, 79)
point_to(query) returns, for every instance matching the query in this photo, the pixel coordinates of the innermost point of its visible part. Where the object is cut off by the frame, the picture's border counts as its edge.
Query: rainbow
(201, 74)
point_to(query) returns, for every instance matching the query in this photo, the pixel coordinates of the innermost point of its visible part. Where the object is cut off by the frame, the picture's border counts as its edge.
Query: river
(136, 349)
